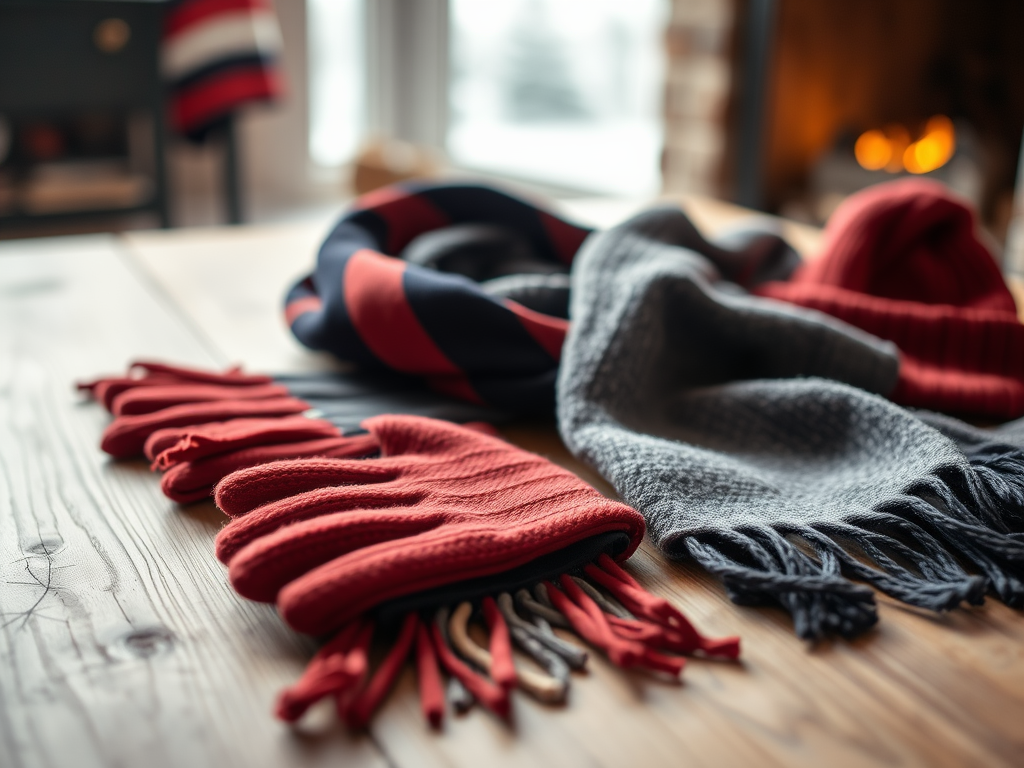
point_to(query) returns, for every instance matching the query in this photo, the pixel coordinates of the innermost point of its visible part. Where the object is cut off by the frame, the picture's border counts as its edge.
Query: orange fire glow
(873, 150)
(893, 150)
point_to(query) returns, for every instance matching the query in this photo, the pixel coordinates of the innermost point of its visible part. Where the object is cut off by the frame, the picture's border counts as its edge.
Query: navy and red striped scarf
(372, 309)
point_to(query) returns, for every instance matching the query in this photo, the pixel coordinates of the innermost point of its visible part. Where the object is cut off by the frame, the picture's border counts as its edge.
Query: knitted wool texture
(904, 262)
(219, 56)
(745, 431)
(327, 539)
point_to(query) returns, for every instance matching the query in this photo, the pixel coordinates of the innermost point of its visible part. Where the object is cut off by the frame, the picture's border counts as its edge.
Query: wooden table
(123, 645)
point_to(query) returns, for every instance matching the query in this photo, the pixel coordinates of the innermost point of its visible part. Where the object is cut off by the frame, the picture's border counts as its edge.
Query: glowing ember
(872, 150)
(933, 149)
(893, 150)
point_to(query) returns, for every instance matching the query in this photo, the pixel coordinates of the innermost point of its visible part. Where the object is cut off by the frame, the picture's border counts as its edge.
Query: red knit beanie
(905, 262)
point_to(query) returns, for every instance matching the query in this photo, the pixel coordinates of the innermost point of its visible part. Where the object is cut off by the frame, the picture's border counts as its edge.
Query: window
(336, 79)
(567, 92)
(564, 92)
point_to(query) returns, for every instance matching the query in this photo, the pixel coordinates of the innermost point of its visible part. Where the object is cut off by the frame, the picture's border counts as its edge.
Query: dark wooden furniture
(59, 58)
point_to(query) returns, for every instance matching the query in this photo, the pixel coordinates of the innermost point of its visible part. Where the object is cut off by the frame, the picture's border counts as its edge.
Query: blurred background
(139, 113)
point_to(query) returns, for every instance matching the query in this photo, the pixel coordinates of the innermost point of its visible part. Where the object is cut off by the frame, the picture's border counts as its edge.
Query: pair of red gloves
(444, 515)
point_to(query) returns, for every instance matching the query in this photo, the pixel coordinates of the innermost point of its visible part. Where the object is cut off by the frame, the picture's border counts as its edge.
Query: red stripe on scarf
(407, 215)
(299, 307)
(381, 315)
(455, 386)
(566, 238)
(546, 330)
(208, 99)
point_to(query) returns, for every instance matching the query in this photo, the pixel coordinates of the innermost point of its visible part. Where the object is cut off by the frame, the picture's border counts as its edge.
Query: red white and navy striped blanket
(219, 55)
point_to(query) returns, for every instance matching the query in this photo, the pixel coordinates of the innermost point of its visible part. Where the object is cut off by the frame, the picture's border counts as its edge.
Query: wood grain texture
(920, 690)
(120, 641)
(233, 282)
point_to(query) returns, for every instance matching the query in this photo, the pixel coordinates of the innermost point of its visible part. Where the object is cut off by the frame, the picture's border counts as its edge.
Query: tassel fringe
(608, 608)
(914, 548)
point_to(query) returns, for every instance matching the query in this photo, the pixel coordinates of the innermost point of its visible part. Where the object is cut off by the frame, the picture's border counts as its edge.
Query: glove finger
(194, 480)
(232, 375)
(168, 447)
(293, 509)
(154, 398)
(243, 491)
(126, 435)
(105, 390)
(263, 567)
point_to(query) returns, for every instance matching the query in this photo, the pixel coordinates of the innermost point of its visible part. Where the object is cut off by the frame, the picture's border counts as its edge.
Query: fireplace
(928, 87)
(905, 80)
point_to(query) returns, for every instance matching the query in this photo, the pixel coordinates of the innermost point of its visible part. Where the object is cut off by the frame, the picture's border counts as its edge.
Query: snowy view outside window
(567, 92)
(337, 75)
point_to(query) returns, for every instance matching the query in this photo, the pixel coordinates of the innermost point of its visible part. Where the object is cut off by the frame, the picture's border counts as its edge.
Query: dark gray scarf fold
(746, 432)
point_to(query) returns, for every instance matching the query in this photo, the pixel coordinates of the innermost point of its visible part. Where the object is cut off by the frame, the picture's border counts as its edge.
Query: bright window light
(567, 92)
(337, 77)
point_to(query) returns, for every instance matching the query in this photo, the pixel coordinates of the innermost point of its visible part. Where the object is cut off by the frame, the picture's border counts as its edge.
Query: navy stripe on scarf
(367, 307)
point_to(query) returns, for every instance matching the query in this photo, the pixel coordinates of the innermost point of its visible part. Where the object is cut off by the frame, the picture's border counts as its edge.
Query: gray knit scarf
(746, 432)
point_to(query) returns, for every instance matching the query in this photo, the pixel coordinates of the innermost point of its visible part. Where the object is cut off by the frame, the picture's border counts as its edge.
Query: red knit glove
(149, 373)
(442, 504)
(153, 396)
(445, 514)
(199, 426)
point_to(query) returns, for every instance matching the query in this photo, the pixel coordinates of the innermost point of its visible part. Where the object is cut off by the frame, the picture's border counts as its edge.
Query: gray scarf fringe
(913, 550)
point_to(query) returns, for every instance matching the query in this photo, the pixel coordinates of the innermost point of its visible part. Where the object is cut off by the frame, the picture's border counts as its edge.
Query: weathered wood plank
(233, 282)
(120, 642)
